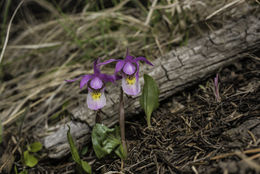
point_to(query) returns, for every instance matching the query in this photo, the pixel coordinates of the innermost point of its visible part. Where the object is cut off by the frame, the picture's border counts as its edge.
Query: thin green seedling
(82, 166)
(22, 172)
(186, 39)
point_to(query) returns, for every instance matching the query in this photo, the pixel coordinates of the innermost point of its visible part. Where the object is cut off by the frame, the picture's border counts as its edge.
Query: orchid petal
(96, 100)
(133, 89)
(129, 68)
(127, 56)
(117, 77)
(73, 80)
(107, 62)
(137, 71)
(96, 83)
(127, 52)
(120, 64)
(107, 78)
(143, 59)
(85, 80)
(96, 66)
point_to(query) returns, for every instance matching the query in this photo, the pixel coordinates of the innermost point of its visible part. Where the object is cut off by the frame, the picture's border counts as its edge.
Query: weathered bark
(180, 68)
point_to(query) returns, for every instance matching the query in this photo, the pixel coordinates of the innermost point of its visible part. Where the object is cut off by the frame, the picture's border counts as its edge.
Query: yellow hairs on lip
(95, 95)
(130, 80)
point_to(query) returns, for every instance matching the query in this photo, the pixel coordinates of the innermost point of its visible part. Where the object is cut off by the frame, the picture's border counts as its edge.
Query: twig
(136, 164)
(114, 172)
(194, 170)
(158, 45)
(252, 135)
(247, 160)
(254, 156)
(233, 153)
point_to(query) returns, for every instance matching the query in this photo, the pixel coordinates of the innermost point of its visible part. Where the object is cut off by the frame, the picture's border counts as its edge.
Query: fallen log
(180, 68)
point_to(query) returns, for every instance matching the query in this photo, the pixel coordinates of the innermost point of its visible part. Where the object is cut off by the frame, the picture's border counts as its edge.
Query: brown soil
(204, 136)
(192, 132)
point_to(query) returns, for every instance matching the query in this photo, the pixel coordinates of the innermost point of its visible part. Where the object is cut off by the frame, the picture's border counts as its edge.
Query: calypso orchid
(128, 69)
(96, 86)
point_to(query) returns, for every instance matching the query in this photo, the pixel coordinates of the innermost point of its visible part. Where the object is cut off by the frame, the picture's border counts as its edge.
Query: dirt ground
(192, 132)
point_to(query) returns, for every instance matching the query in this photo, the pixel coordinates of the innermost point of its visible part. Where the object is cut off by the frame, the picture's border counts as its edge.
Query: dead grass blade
(233, 3)
(8, 30)
(37, 46)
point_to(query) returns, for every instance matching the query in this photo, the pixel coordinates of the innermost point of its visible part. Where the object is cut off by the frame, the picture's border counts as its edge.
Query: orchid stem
(122, 120)
(122, 165)
(98, 118)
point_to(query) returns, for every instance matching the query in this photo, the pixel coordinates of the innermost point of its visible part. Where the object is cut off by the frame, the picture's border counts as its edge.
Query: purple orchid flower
(96, 86)
(129, 71)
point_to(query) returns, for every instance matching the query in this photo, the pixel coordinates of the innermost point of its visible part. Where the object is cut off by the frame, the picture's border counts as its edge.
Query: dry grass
(48, 47)
(52, 45)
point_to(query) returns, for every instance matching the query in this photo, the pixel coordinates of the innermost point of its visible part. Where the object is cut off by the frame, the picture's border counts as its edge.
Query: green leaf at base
(35, 147)
(106, 140)
(120, 152)
(73, 149)
(29, 159)
(150, 97)
(85, 166)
